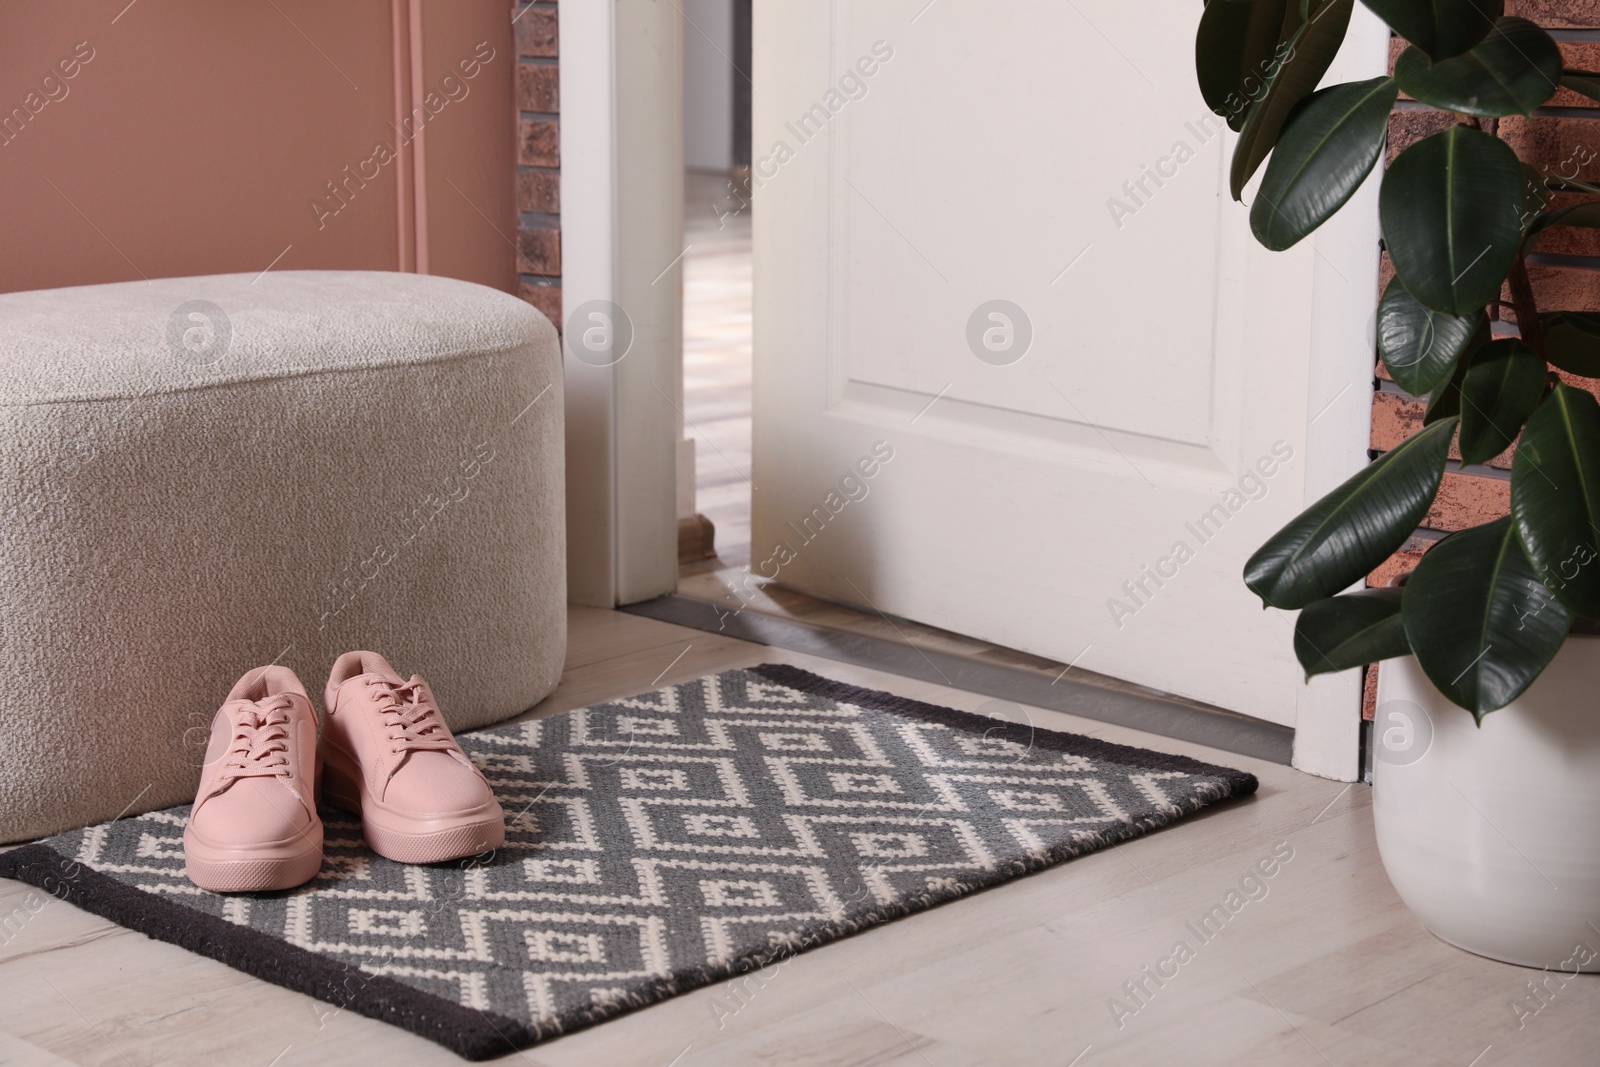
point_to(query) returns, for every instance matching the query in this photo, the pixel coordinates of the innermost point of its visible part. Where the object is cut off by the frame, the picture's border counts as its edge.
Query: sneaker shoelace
(412, 718)
(260, 745)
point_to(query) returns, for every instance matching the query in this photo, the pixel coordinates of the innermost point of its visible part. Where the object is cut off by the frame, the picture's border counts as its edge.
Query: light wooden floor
(1326, 968)
(735, 590)
(716, 357)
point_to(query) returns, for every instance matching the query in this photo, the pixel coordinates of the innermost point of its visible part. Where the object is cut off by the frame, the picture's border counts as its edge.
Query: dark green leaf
(1350, 631)
(1419, 346)
(1327, 147)
(1586, 214)
(1504, 382)
(1480, 621)
(1441, 28)
(1510, 72)
(1451, 209)
(1234, 51)
(1563, 183)
(1582, 82)
(1296, 72)
(1444, 402)
(1572, 341)
(1354, 528)
(1218, 51)
(1555, 495)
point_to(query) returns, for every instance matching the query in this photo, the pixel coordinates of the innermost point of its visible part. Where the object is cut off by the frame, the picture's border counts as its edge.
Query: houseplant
(1490, 839)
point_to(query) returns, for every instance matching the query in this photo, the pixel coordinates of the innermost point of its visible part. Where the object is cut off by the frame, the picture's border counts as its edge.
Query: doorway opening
(715, 492)
(719, 489)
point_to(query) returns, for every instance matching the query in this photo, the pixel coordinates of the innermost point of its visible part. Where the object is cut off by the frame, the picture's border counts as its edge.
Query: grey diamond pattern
(681, 836)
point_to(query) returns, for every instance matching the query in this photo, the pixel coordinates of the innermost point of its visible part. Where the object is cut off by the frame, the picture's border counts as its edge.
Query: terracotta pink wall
(173, 137)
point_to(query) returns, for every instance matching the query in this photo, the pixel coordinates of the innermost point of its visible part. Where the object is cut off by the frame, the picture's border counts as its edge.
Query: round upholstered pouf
(202, 475)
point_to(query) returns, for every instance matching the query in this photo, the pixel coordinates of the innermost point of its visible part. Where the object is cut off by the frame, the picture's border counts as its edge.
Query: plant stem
(1527, 311)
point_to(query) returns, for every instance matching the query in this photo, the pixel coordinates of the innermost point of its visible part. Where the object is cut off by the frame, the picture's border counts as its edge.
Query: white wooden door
(1021, 371)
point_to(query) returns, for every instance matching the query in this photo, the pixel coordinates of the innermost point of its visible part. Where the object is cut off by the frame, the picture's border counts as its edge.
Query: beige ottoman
(202, 475)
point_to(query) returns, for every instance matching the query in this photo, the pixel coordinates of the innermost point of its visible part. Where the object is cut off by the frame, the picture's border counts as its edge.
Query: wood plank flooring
(1325, 966)
(716, 357)
(735, 590)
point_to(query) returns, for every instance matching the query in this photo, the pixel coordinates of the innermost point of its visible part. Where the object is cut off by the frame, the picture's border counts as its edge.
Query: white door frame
(621, 194)
(622, 242)
(1344, 313)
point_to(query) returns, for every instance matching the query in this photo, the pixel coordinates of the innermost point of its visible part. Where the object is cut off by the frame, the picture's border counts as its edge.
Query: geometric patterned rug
(654, 845)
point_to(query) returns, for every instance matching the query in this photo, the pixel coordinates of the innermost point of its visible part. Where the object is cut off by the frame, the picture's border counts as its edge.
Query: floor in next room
(716, 356)
(1326, 968)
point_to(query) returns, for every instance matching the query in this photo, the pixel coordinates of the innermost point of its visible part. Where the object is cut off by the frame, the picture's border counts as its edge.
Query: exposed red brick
(538, 87)
(536, 30)
(1568, 240)
(1576, 55)
(539, 190)
(546, 298)
(539, 251)
(1369, 692)
(1560, 146)
(1405, 558)
(1468, 500)
(1559, 289)
(1568, 147)
(1396, 417)
(1557, 14)
(1406, 128)
(539, 143)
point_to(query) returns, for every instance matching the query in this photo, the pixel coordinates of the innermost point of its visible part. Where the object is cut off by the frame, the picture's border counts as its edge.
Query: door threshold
(1169, 717)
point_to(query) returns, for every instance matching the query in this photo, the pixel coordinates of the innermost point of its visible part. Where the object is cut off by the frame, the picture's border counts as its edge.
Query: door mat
(655, 845)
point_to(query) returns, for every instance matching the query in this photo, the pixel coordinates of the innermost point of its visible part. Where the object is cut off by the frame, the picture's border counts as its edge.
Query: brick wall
(1565, 274)
(538, 93)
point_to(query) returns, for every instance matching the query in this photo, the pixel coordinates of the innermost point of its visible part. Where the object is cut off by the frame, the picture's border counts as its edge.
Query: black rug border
(471, 1033)
(1241, 783)
(475, 1034)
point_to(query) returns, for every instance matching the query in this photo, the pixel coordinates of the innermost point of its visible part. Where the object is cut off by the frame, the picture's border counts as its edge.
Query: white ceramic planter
(1492, 836)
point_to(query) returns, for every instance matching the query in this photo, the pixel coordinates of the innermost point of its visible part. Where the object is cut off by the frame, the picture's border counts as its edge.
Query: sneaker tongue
(250, 688)
(359, 682)
(376, 665)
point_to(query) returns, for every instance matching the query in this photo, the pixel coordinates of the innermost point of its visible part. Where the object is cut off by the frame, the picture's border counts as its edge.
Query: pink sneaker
(254, 823)
(388, 756)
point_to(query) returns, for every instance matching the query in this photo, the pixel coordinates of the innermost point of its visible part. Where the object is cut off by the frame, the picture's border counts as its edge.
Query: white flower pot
(1492, 836)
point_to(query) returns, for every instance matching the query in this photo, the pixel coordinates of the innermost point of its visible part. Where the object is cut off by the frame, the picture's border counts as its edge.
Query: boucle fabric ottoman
(202, 475)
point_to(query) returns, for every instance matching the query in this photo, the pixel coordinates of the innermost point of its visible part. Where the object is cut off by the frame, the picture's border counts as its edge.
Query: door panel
(1089, 493)
(1011, 210)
